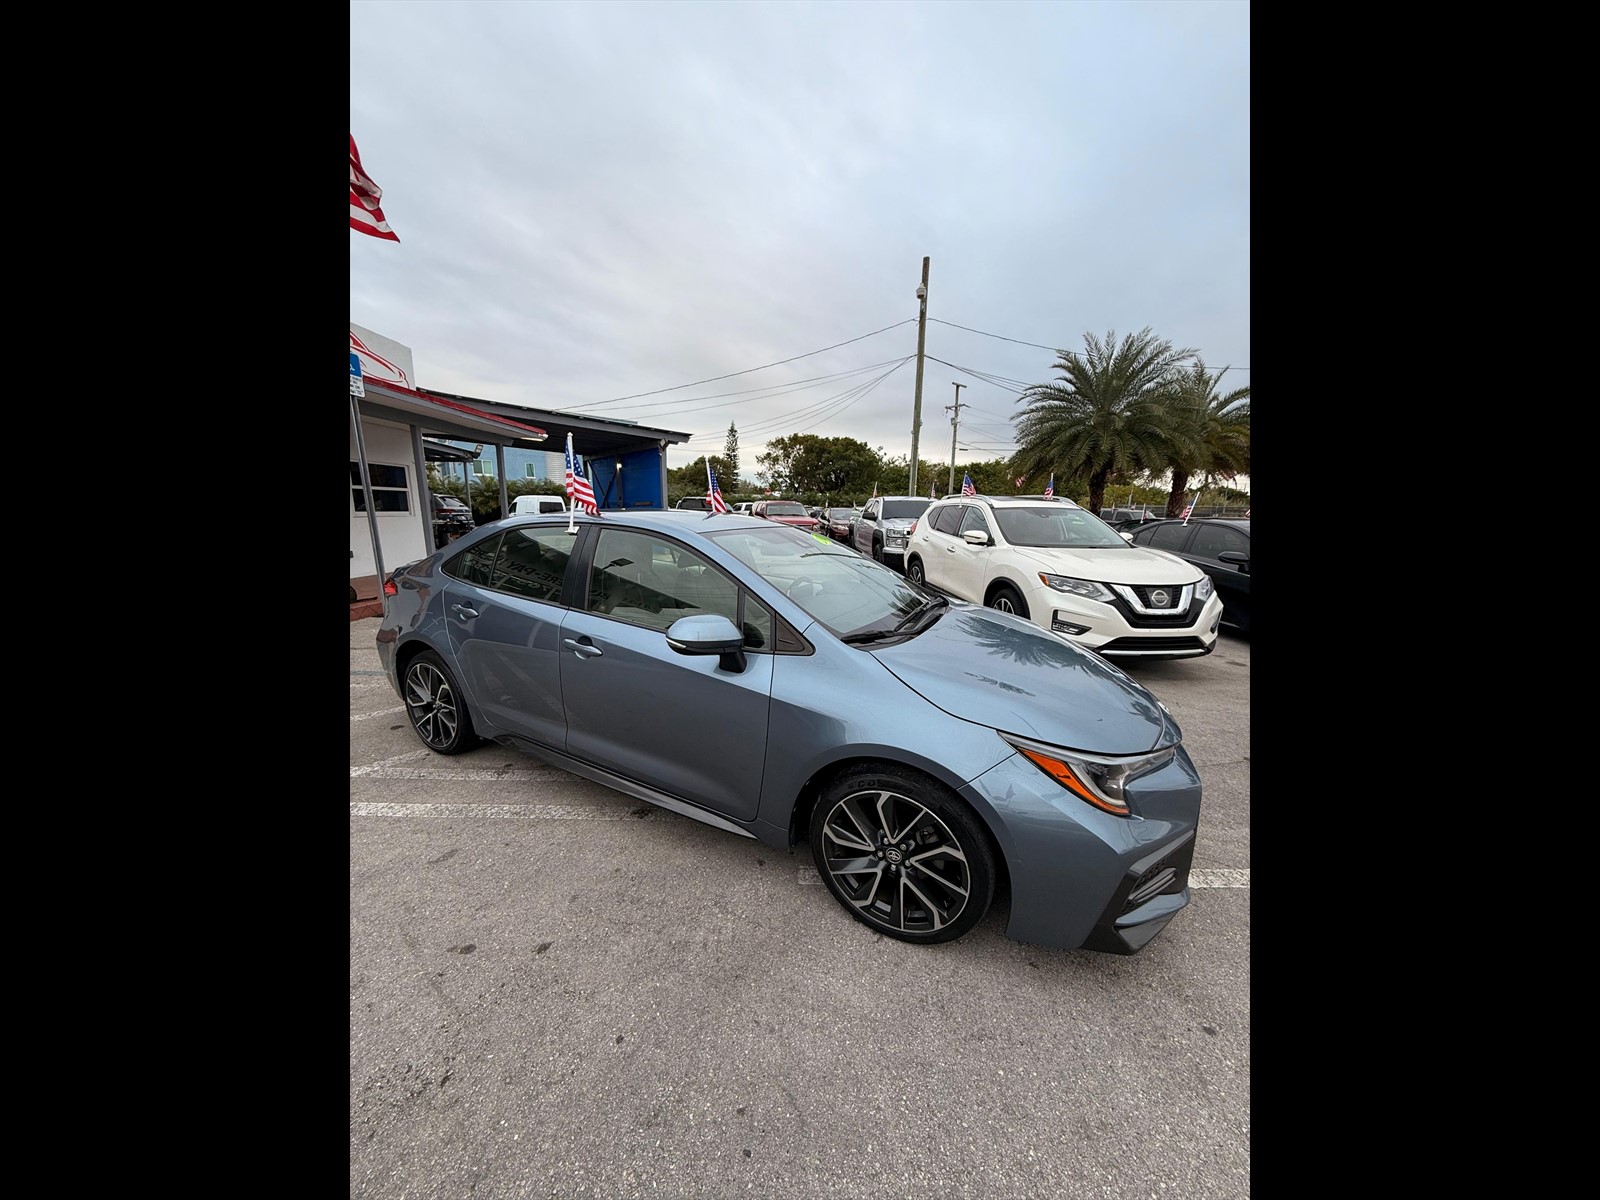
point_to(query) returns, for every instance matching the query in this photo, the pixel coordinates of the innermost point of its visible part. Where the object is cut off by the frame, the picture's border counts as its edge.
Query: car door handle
(584, 648)
(949, 549)
(463, 610)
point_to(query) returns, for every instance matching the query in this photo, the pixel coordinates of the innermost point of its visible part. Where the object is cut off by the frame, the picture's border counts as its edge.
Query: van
(538, 505)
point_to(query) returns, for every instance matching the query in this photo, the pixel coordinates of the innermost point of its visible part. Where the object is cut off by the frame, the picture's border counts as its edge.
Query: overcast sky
(600, 199)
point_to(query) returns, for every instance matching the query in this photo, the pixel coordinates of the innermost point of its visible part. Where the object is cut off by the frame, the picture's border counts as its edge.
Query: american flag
(932, 494)
(713, 492)
(1020, 480)
(966, 485)
(1050, 488)
(365, 214)
(578, 490)
(1190, 509)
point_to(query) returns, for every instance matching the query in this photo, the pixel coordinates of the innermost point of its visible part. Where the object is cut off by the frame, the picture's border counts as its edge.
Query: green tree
(730, 455)
(1110, 411)
(1218, 445)
(690, 479)
(835, 466)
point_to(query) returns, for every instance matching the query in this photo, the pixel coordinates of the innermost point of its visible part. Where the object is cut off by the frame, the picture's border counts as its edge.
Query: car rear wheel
(914, 571)
(902, 854)
(435, 706)
(1007, 600)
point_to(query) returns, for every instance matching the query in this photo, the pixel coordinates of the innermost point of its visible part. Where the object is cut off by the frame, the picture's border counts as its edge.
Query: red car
(786, 512)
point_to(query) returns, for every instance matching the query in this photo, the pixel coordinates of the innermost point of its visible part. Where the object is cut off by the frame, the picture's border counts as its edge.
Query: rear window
(783, 508)
(904, 509)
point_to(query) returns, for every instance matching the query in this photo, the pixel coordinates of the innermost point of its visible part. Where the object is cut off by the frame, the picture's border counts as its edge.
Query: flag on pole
(966, 485)
(1020, 480)
(1144, 514)
(931, 494)
(1247, 512)
(1190, 508)
(874, 491)
(713, 492)
(579, 492)
(1050, 488)
(365, 214)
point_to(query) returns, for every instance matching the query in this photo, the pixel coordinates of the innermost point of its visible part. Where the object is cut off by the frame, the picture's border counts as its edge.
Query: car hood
(897, 524)
(1108, 564)
(999, 670)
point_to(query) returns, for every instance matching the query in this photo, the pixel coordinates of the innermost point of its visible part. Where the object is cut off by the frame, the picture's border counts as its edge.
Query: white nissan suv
(1067, 571)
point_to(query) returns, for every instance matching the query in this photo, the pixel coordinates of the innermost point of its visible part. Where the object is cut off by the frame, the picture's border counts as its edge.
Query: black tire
(877, 550)
(914, 570)
(436, 707)
(949, 857)
(1007, 599)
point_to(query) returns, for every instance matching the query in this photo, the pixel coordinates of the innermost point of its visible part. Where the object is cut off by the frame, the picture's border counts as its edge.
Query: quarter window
(475, 565)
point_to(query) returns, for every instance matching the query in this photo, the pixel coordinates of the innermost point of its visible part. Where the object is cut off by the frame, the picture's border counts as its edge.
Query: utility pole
(916, 412)
(955, 419)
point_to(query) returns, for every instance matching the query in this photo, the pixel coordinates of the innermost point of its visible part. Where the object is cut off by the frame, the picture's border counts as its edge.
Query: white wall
(400, 534)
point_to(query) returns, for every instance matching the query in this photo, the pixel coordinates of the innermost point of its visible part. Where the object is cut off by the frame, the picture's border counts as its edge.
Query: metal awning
(446, 417)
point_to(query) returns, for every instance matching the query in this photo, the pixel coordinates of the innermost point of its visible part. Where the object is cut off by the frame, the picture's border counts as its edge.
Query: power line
(772, 390)
(1035, 345)
(823, 409)
(733, 374)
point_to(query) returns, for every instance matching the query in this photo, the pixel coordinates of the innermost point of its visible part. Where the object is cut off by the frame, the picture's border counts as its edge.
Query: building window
(483, 467)
(390, 492)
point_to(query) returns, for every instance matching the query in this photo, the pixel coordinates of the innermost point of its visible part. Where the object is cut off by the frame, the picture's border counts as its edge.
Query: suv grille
(1158, 595)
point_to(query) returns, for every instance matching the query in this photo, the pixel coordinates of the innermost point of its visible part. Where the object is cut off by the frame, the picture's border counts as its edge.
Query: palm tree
(1110, 413)
(1218, 444)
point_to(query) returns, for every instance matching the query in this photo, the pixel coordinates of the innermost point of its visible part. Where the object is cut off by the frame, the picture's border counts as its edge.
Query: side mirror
(1126, 536)
(1242, 561)
(975, 537)
(709, 633)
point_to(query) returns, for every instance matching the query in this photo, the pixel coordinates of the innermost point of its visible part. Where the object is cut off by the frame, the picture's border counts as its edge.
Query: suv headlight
(1094, 778)
(1087, 588)
(1203, 589)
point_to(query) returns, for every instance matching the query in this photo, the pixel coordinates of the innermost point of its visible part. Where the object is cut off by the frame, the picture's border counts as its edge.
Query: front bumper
(1116, 629)
(1082, 878)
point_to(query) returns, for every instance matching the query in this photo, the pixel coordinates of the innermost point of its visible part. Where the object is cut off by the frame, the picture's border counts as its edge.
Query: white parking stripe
(525, 812)
(382, 712)
(1219, 878)
(459, 775)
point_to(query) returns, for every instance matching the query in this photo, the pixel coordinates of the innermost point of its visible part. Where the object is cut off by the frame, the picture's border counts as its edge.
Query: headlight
(1204, 588)
(1097, 779)
(1087, 588)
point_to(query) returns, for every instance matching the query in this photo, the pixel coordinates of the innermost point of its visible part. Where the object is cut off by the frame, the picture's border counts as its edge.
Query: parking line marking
(382, 712)
(372, 768)
(525, 812)
(1221, 878)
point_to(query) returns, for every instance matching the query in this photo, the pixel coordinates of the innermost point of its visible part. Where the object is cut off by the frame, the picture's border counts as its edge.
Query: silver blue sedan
(776, 685)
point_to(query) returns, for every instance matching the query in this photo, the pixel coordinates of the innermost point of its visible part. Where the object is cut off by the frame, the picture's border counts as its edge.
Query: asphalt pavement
(557, 990)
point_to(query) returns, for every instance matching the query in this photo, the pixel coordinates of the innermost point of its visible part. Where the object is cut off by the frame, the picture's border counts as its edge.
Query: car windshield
(841, 514)
(847, 592)
(782, 508)
(1055, 525)
(904, 509)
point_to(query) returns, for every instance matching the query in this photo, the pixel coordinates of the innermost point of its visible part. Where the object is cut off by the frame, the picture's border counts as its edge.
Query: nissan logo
(1158, 598)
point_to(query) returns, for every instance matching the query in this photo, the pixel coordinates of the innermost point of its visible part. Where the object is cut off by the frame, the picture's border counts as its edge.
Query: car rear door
(503, 615)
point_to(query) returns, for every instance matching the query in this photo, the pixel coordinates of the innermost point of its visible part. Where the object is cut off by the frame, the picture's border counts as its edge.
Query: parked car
(881, 528)
(1124, 519)
(743, 506)
(1067, 571)
(451, 518)
(1219, 546)
(841, 523)
(539, 504)
(694, 503)
(833, 702)
(786, 512)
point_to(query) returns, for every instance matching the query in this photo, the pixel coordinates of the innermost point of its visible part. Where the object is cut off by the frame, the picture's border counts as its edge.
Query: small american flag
(1020, 480)
(1050, 488)
(932, 495)
(713, 492)
(1188, 511)
(578, 490)
(966, 485)
(365, 214)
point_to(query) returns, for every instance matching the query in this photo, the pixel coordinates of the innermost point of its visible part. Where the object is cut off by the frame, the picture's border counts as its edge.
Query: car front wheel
(435, 706)
(1007, 600)
(914, 571)
(902, 854)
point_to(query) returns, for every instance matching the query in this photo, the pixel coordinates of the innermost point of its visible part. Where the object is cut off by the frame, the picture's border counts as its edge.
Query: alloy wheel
(895, 862)
(431, 705)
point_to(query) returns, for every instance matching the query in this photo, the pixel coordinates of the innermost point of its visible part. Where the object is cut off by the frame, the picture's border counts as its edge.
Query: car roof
(1018, 501)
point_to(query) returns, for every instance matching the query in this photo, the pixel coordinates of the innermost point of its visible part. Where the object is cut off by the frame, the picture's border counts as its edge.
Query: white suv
(1067, 571)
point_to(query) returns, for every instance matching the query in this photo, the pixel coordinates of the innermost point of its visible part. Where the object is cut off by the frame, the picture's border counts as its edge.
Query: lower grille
(1167, 644)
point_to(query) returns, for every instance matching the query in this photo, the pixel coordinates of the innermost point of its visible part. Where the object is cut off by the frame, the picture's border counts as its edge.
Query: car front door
(865, 524)
(1232, 578)
(967, 564)
(503, 617)
(679, 723)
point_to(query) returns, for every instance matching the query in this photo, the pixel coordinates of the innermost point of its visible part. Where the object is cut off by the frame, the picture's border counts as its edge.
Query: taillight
(389, 588)
(912, 530)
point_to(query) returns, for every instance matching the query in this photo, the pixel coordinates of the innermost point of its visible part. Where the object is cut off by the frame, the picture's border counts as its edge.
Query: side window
(650, 581)
(1212, 540)
(976, 520)
(532, 563)
(756, 621)
(475, 565)
(948, 519)
(1167, 537)
(870, 513)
